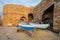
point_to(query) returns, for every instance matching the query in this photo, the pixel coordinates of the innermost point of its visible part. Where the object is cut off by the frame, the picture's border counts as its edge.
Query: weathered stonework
(45, 4)
(13, 13)
(57, 16)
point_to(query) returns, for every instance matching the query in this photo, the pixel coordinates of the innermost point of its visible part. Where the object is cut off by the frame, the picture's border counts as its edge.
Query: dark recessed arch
(30, 16)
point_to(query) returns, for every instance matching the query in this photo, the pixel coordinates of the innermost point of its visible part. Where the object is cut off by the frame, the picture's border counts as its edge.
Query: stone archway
(30, 17)
(23, 18)
(47, 16)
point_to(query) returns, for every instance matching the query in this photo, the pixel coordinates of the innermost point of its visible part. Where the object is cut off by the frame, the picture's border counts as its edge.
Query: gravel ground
(10, 33)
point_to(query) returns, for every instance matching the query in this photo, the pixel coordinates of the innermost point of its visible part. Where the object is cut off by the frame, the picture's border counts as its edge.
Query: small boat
(25, 26)
(32, 26)
(43, 26)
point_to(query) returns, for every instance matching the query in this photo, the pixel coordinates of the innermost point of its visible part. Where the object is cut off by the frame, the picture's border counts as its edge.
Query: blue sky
(27, 3)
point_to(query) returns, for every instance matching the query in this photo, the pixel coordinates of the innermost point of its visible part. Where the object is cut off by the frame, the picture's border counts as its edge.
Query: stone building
(1, 21)
(48, 11)
(14, 13)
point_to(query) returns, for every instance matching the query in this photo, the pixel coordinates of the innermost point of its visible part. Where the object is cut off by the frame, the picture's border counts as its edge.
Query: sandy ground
(10, 33)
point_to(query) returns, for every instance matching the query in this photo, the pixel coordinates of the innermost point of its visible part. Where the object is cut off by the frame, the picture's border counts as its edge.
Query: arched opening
(47, 17)
(30, 17)
(22, 18)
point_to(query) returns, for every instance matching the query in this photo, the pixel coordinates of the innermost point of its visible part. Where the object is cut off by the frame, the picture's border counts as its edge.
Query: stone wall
(1, 21)
(41, 7)
(45, 4)
(57, 15)
(13, 13)
(37, 12)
